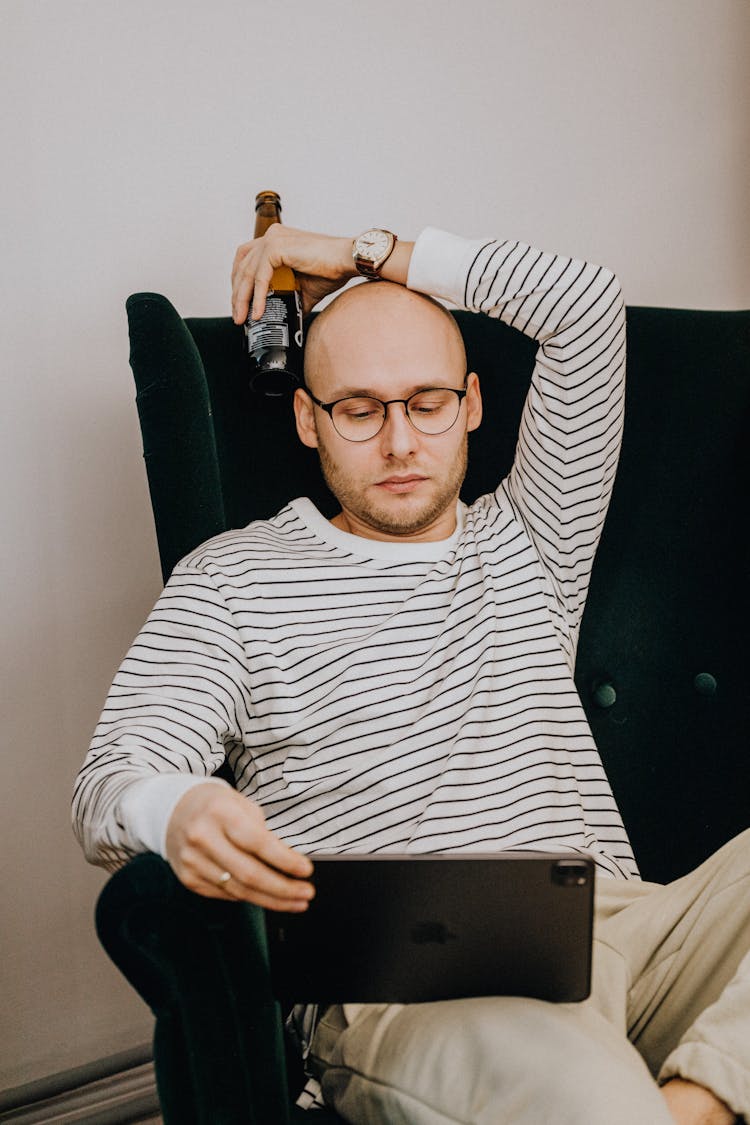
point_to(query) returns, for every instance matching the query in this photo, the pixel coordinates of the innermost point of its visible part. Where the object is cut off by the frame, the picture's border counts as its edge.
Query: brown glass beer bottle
(274, 342)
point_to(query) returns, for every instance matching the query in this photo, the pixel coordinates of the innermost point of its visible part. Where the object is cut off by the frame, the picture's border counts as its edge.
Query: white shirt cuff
(146, 807)
(440, 264)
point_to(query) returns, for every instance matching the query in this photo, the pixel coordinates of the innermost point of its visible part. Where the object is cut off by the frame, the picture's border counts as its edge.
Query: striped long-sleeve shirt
(376, 696)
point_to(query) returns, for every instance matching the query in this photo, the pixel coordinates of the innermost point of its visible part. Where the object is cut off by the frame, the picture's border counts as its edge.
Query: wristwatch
(372, 250)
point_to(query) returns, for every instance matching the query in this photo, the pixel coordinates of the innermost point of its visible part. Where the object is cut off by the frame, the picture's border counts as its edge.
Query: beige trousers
(670, 996)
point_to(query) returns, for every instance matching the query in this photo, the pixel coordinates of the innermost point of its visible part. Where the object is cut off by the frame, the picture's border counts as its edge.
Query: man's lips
(406, 483)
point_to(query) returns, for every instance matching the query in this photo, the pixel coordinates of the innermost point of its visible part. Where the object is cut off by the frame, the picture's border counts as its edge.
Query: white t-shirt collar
(376, 548)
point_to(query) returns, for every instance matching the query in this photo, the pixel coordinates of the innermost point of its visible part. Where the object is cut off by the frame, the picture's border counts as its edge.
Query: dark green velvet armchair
(660, 663)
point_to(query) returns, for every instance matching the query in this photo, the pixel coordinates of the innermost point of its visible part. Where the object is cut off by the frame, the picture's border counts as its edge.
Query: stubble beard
(394, 519)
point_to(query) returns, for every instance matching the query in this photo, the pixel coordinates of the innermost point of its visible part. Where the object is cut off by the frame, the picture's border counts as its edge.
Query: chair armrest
(202, 967)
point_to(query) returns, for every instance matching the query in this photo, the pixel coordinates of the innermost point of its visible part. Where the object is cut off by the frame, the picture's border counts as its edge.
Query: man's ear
(304, 416)
(473, 402)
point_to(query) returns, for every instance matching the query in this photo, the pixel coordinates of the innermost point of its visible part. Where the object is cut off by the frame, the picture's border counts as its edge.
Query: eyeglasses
(433, 410)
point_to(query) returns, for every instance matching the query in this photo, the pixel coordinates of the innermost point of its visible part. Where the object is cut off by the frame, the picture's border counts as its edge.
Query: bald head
(381, 323)
(382, 341)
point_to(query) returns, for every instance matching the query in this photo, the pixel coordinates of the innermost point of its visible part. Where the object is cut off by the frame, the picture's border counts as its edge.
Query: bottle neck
(268, 212)
(266, 215)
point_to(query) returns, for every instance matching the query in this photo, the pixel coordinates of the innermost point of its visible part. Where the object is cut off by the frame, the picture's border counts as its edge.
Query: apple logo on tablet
(432, 932)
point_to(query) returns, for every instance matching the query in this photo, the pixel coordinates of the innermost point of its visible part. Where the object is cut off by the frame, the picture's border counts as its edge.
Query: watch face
(373, 244)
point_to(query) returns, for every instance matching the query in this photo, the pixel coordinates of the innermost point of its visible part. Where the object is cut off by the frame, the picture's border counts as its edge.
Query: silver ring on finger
(223, 879)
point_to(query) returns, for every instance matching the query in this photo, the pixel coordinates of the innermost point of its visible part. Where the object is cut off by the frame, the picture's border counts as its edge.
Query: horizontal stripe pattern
(401, 703)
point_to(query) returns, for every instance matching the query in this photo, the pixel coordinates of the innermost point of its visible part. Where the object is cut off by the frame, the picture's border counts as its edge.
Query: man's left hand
(321, 262)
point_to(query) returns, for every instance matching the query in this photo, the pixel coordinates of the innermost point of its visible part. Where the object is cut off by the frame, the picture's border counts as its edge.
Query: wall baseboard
(126, 1096)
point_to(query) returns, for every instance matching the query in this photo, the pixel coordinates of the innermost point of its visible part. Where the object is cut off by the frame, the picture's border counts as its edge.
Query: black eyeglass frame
(329, 407)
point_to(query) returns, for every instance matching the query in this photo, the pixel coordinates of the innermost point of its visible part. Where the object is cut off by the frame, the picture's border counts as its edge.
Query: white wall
(134, 138)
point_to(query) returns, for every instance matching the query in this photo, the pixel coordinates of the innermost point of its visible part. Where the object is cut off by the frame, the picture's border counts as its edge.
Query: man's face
(387, 343)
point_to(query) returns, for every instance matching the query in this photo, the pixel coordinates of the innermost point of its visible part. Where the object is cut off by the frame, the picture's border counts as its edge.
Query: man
(401, 678)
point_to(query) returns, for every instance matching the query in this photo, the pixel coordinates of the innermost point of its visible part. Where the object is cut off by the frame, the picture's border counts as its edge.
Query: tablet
(418, 928)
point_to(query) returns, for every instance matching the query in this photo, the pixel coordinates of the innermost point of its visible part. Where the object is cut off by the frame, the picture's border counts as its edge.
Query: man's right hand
(213, 829)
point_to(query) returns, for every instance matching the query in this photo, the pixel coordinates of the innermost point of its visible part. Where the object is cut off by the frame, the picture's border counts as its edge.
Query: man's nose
(398, 438)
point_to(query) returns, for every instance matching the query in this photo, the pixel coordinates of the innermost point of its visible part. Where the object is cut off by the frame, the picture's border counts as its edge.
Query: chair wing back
(177, 426)
(667, 615)
(660, 662)
(217, 455)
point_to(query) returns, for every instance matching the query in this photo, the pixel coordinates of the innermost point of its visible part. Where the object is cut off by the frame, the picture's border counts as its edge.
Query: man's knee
(490, 1060)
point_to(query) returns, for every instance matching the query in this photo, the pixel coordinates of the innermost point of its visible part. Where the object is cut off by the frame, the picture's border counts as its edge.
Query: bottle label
(274, 344)
(272, 330)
